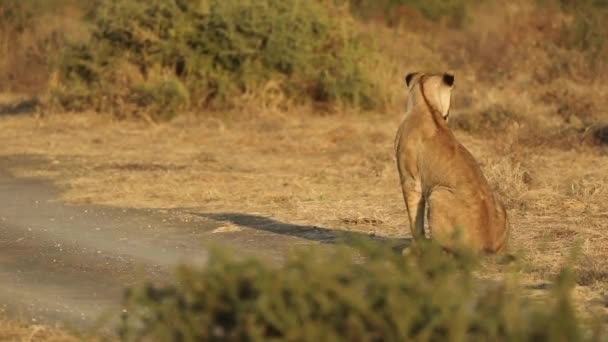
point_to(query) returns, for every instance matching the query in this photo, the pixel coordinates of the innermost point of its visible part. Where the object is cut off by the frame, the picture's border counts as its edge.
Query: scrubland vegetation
(320, 83)
(424, 296)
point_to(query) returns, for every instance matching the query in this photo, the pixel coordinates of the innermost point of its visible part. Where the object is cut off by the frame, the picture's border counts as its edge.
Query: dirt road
(71, 263)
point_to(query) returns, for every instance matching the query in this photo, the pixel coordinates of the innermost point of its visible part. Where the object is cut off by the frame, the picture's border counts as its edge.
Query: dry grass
(16, 331)
(336, 172)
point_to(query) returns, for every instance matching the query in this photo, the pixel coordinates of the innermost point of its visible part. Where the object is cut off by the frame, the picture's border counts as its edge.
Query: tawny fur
(439, 173)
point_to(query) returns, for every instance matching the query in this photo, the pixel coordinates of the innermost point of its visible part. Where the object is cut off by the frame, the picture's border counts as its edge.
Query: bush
(364, 294)
(143, 53)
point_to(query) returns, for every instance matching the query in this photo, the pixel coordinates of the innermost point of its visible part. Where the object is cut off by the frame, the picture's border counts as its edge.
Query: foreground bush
(364, 294)
(162, 56)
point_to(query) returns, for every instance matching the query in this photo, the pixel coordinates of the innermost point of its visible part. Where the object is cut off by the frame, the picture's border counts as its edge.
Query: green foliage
(164, 97)
(215, 51)
(367, 293)
(395, 11)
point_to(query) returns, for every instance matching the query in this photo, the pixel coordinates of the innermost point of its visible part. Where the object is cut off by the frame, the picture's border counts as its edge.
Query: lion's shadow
(308, 232)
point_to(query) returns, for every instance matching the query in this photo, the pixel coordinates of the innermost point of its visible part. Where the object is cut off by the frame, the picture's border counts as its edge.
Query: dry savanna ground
(333, 171)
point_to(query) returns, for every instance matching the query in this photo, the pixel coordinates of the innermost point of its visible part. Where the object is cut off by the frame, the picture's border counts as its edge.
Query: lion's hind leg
(447, 227)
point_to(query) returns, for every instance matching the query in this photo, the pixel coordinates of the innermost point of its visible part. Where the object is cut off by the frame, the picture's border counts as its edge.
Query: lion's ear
(448, 79)
(409, 78)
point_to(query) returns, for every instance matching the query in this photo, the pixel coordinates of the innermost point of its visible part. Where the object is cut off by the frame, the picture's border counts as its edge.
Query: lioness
(438, 173)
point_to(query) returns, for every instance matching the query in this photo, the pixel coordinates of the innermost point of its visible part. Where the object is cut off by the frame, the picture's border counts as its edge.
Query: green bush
(142, 53)
(368, 293)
